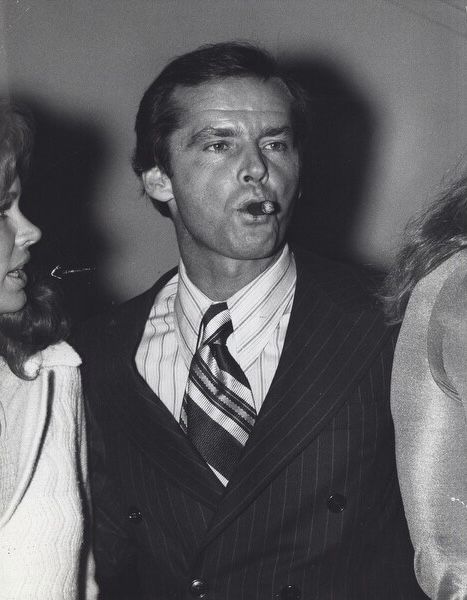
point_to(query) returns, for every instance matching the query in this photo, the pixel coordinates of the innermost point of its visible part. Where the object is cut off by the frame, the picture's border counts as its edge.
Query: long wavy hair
(431, 238)
(41, 321)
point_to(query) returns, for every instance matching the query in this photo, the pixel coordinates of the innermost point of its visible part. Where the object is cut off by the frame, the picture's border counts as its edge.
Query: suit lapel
(327, 349)
(148, 422)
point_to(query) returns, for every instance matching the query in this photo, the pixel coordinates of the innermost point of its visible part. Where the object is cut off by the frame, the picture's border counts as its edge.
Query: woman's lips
(18, 275)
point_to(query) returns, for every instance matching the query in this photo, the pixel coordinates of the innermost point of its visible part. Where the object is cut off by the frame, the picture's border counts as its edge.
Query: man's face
(235, 146)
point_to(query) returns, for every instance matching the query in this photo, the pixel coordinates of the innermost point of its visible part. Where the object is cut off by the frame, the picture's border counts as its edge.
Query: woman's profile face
(16, 235)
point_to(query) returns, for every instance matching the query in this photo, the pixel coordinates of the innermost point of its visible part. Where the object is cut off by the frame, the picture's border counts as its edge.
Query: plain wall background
(391, 88)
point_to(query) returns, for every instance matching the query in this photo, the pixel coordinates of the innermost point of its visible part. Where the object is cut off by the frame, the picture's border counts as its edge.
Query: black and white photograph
(233, 299)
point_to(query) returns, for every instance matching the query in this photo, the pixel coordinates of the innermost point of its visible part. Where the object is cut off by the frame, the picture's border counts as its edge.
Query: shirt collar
(255, 310)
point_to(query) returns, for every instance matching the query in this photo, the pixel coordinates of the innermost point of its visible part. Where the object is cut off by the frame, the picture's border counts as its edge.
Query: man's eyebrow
(226, 132)
(276, 131)
(209, 131)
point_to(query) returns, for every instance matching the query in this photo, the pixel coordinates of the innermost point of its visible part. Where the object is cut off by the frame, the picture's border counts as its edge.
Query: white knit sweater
(43, 481)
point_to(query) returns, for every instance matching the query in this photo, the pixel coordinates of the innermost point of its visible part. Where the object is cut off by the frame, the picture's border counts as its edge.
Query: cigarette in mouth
(261, 208)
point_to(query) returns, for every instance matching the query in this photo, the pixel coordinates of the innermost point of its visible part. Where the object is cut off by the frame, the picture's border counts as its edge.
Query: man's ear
(157, 184)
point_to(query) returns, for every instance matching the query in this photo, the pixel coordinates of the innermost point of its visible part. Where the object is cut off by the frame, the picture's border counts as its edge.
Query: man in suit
(241, 444)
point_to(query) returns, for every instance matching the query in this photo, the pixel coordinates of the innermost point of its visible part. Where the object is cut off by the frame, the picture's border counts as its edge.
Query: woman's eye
(3, 210)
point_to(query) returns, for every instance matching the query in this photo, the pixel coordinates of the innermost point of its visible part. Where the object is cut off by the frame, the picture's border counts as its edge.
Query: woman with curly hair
(427, 291)
(44, 551)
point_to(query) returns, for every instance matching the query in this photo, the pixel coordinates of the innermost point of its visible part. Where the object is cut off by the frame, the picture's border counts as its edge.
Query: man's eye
(217, 147)
(276, 146)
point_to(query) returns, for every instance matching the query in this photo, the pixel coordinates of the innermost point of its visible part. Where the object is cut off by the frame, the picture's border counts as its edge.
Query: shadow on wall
(69, 153)
(337, 159)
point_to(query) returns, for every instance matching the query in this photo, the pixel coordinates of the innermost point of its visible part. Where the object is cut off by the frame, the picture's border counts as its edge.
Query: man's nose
(253, 166)
(27, 233)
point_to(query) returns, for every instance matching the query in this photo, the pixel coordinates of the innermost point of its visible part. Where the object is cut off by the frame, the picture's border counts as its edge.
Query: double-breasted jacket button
(199, 588)
(134, 515)
(290, 592)
(336, 503)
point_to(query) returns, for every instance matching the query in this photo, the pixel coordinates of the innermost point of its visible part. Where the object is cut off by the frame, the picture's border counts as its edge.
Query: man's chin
(265, 252)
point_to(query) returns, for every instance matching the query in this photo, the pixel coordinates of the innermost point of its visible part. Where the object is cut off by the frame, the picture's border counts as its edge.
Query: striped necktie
(218, 413)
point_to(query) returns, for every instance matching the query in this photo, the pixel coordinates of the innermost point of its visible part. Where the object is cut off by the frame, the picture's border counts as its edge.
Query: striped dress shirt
(260, 313)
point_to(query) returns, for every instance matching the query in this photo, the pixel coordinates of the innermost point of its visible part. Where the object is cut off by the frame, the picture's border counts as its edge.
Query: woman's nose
(27, 233)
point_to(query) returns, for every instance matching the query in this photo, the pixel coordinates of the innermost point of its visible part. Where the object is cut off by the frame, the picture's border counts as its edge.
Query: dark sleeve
(115, 555)
(114, 551)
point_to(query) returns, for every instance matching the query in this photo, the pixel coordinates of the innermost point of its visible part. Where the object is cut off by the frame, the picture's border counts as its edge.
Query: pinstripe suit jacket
(313, 510)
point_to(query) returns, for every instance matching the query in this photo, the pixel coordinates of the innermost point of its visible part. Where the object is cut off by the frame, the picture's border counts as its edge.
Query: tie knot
(217, 324)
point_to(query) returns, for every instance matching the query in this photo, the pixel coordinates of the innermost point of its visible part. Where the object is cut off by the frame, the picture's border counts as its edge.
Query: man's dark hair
(159, 115)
